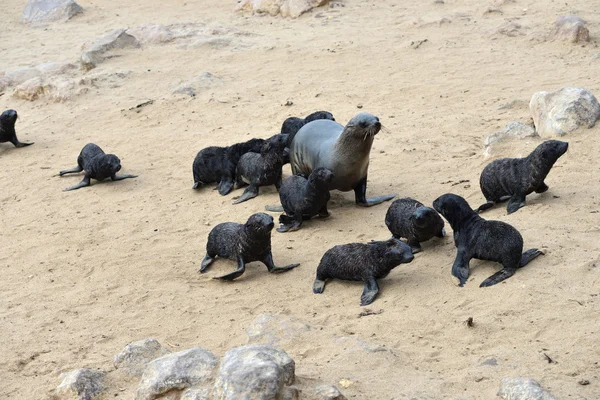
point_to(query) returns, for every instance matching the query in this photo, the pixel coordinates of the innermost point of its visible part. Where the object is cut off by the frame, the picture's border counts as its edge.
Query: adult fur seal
(475, 237)
(7, 129)
(292, 125)
(362, 262)
(514, 178)
(244, 243)
(410, 219)
(97, 165)
(303, 198)
(342, 150)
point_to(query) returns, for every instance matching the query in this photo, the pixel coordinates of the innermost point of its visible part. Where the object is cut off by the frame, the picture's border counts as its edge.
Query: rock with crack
(563, 111)
(522, 389)
(286, 8)
(96, 52)
(45, 11)
(80, 384)
(255, 372)
(514, 130)
(135, 356)
(177, 371)
(570, 28)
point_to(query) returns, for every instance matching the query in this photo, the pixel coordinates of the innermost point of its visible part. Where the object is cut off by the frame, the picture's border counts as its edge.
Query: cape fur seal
(7, 129)
(407, 218)
(97, 165)
(342, 150)
(292, 125)
(362, 262)
(303, 198)
(244, 243)
(514, 178)
(474, 237)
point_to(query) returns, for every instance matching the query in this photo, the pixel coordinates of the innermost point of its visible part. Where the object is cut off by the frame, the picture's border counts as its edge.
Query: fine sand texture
(86, 272)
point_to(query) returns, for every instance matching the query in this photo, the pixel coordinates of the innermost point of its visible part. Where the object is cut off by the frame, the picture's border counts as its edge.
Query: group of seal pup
(325, 155)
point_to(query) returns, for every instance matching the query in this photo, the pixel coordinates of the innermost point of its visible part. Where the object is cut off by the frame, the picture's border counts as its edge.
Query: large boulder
(512, 131)
(135, 356)
(276, 330)
(176, 371)
(522, 389)
(287, 8)
(80, 384)
(571, 28)
(563, 111)
(43, 11)
(254, 372)
(95, 53)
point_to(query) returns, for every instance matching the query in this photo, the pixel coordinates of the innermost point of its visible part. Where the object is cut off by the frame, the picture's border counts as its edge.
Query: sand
(86, 272)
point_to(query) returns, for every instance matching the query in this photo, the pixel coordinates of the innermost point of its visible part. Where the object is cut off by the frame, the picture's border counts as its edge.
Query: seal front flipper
(415, 246)
(205, 263)
(460, 268)
(498, 277)
(278, 208)
(370, 291)
(115, 177)
(77, 169)
(250, 193)
(225, 186)
(83, 183)
(516, 201)
(268, 261)
(360, 195)
(235, 274)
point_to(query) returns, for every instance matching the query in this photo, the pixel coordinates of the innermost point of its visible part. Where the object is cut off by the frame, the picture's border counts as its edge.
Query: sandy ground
(86, 272)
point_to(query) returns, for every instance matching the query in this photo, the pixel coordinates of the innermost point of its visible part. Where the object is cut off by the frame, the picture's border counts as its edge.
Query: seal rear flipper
(225, 186)
(250, 193)
(115, 177)
(485, 206)
(542, 188)
(288, 224)
(318, 286)
(205, 263)
(370, 291)
(529, 255)
(235, 274)
(498, 277)
(268, 261)
(83, 183)
(71, 171)
(16, 142)
(516, 201)
(277, 208)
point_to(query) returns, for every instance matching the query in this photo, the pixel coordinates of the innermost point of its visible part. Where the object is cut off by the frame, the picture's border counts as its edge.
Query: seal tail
(196, 185)
(529, 255)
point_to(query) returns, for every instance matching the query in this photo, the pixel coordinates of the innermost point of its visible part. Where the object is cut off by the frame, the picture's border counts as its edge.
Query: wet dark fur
(475, 237)
(261, 169)
(410, 219)
(7, 129)
(514, 178)
(303, 198)
(244, 243)
(292, 125)
(362, 262)
(97, 165)
(218, 164)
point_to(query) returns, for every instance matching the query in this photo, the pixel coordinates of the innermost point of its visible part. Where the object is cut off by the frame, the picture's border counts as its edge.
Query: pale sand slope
(86, 272)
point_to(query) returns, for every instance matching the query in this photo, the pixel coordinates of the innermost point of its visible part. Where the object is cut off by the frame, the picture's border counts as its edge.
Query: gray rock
(254, 372)
(492, 362)
(522, 389)
(45, 70)
(152, 33)
(176, 371)
(514, 129)
(510, 29)
(195, 394)
(291, 393)
(95, 53)
(563, 111)
(56, 89)
(44, 11)
(135, 356)
(272, 329)
(81, 384)
(571, 28)
(328, 392)
(287, 8)
(202, 82)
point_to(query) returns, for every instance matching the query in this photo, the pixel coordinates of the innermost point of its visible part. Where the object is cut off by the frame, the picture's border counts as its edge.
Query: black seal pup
(474, 237)
(244, 243)
(261, 169)
(514, 178)
(303, 198)
(7, 129)
(292, 125)
(218, 164)
(362, 262)
(342, 150)
(97, 165)
(407, 218)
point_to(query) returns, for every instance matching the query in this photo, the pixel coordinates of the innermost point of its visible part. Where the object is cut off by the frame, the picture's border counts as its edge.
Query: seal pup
(262, 169)
(292, 125)
(474, 237)
(303, 198)
(362, 262)
(514, 178)
(97, 165)
(342, 150)
(218, 164)
(244, 243)
(410, 219)
(7, 129)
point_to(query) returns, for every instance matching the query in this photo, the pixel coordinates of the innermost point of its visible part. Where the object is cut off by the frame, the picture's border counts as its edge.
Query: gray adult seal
(344, 150)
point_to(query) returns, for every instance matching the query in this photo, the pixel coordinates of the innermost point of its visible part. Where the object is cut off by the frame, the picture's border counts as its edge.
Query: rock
(195, 394)
(43, 11)
(291, 393)
(514, 129)
(56, 89)
(329, 392)
(81, 384)
(571, 28)
(492, 362)
(176, 371)
(134, 357)
(510, 29)
(522, 389)
(94, 54)
(152, 33)
(204, 81)
(514, 104)
(272, 329)
(563, 111)
(46, 70)
(492, 10)
(287, 8)
(255, 372)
